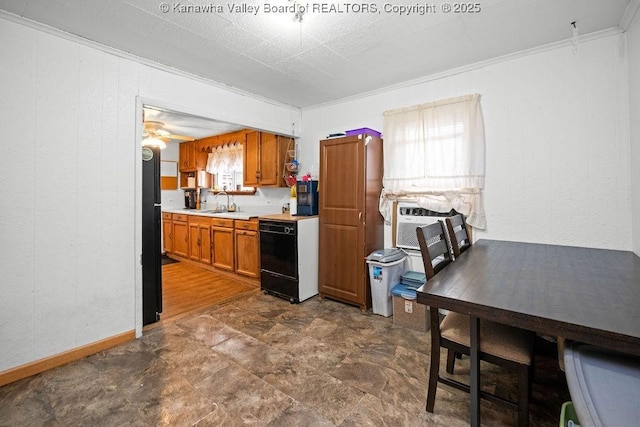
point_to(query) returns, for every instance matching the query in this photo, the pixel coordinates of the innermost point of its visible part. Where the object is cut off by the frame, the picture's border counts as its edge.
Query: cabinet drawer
(222, 222)
(197, 219)
(246, 225)
(180, 217)
(166, 215)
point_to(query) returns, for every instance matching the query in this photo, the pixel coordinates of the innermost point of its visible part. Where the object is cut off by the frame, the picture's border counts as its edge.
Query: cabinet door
(268, 169)
(342, 269)
(205, 243)
(248, 253)
(184, 156)
(181, 238)
(167, 235)
(194, 241)
(251, 162)
(188, 156)
(223, 247)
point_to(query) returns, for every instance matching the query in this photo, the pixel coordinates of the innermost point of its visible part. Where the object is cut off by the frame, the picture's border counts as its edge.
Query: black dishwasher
(279, 259)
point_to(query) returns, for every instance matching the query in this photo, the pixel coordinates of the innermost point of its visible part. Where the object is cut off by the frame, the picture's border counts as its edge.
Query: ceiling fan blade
(179, 137)
(153, 126)
(156, 128)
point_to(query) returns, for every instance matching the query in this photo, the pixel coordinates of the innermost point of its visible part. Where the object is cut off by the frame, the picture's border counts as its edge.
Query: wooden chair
(458, 235)
(460, 242)
(434, 245)
(500, 344)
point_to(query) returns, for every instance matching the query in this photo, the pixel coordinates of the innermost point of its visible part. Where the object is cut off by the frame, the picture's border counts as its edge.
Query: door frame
(142, 101)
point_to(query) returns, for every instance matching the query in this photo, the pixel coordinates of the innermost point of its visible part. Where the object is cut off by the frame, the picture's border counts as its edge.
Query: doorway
(164, 293)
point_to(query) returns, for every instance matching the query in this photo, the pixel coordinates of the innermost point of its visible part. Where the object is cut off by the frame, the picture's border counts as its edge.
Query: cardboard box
(410, 314)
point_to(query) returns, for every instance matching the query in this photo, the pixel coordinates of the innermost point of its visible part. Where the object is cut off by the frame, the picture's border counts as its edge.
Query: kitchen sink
(215, 211)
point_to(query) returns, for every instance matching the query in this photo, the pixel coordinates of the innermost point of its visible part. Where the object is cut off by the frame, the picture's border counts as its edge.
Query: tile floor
(261, 361)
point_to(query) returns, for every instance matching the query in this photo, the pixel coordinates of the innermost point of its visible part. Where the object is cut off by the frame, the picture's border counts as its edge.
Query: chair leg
(532, 376)
(523, 396)
(434, 368)
(451, 360)
(434, 372)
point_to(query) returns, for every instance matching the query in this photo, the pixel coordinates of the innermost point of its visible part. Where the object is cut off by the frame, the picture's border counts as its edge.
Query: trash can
(604, 385)
(385, 268)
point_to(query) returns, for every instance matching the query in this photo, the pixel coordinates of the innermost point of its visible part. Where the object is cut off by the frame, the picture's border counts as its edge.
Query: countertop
(287, 217)
(244, 215)
(229, 215)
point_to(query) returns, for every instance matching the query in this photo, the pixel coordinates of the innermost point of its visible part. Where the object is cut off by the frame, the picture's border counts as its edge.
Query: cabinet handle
(359, 216)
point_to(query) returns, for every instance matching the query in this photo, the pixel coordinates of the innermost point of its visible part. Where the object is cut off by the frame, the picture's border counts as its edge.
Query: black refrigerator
(151, 237)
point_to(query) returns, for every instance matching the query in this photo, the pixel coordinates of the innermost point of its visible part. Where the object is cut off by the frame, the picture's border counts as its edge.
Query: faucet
(226, 207)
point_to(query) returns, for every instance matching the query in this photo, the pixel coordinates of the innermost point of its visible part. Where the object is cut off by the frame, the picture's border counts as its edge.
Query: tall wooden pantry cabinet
(351, 226)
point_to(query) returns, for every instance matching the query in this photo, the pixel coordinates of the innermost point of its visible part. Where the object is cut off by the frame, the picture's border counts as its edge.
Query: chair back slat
(434, 248)
(457, 228)
(438, 248)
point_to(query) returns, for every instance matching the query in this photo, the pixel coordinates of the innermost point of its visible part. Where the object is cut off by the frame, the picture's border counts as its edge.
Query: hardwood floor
(187, 287)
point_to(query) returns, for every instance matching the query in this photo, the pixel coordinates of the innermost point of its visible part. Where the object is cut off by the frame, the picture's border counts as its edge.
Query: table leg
(474, 335)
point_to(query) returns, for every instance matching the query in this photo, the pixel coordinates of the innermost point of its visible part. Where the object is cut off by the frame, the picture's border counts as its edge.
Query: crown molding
(140, 60)
(471, 67)
(629, 14)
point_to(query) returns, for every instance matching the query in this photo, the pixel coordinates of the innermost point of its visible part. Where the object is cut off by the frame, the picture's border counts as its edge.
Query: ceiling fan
(155, 129)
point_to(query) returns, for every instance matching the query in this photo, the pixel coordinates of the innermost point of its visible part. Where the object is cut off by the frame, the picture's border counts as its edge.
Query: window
(434, 153)
(225, 164)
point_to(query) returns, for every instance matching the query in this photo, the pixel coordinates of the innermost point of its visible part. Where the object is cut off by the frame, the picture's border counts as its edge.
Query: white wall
(70, 194)
(633, 45)
(556, 123)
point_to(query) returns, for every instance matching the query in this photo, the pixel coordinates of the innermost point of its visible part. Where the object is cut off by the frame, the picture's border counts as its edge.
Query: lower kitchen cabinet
(223, 243)
(167, 232)
(180, 235)
(200, 239)
(247, 242)
(226, 244)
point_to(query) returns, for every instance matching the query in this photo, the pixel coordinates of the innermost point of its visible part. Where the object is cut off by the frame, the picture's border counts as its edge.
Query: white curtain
(225, 158)
(435, 154)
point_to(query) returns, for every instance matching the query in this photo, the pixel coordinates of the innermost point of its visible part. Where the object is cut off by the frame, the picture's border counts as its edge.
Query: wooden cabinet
(187, 156)
(350, 225)
(264, 159)
(200, 239)
(227, 244)
(167, 232)
(223, 243)
(180, 227)
(191, 157)
(247, 242)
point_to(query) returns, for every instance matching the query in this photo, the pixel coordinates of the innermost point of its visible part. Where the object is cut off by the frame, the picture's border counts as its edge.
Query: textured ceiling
(178, 123)
(339, 50)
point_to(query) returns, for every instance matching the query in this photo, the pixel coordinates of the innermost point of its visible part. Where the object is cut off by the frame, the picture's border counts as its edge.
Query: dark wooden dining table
(583, 294)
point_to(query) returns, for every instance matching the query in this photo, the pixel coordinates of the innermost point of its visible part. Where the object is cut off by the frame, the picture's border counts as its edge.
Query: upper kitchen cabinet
(264, 159)
(209, 144)
(191, 158)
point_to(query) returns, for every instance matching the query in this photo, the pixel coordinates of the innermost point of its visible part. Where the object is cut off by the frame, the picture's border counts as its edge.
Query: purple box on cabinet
(363, 130)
